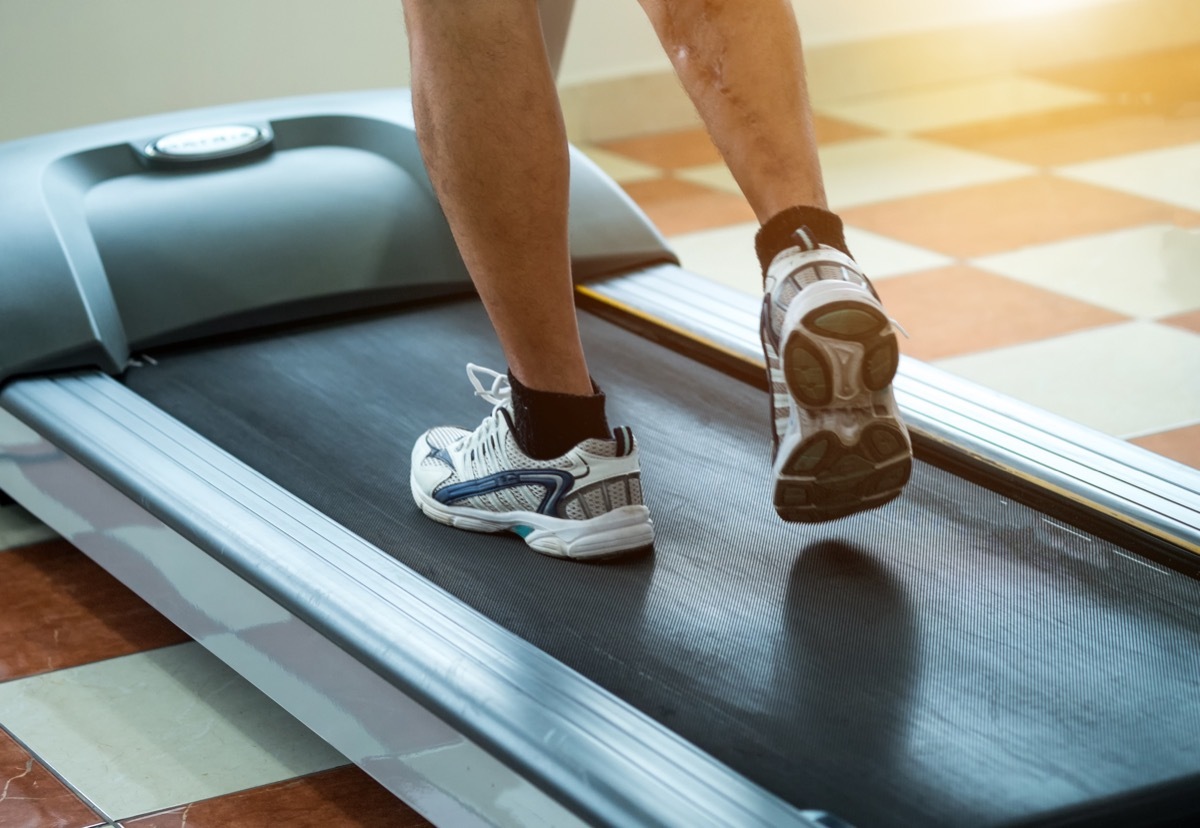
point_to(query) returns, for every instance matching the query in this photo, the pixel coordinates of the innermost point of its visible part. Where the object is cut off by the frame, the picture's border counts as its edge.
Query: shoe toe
(431, 461)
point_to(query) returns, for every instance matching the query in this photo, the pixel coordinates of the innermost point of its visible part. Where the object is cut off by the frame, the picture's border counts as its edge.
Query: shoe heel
(846, 347)
(824, 478)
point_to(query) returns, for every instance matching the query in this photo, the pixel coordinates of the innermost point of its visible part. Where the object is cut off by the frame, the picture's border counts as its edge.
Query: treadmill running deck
(953, 658)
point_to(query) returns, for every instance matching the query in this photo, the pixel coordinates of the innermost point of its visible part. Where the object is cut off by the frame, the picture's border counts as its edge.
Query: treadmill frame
(187, 526)
(357, 641)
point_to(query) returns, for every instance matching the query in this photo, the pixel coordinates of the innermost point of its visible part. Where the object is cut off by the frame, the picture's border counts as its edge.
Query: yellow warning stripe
(630, 310)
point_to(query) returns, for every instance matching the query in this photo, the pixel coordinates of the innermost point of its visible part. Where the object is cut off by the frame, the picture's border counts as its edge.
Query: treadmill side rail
(423, 685)
(1152, 501)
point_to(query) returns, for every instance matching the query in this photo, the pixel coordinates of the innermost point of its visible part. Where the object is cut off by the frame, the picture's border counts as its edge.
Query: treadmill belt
(954, 658)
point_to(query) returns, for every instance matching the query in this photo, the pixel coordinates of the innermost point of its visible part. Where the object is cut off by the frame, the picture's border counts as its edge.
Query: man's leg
(830, 351)
(545, 464)
(492, 136)
(740, 61)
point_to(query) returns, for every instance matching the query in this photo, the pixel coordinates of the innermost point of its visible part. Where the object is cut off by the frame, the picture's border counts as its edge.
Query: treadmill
(221, 331)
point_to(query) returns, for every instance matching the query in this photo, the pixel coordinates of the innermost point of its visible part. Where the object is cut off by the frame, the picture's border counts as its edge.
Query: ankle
(547, 424)
(778, 233)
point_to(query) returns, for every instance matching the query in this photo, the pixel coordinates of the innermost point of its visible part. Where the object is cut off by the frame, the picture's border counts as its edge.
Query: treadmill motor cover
(177, 227)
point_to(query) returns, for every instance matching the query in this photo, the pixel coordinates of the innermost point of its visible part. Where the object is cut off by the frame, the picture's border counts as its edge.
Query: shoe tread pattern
(831, 474)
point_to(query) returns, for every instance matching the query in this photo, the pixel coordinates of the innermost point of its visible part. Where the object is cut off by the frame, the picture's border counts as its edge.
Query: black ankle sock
(547, 424)
(776, 235)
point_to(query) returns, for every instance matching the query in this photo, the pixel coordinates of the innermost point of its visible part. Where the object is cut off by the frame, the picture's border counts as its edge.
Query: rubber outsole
(855, 455)
(824, 478)
(622, 533)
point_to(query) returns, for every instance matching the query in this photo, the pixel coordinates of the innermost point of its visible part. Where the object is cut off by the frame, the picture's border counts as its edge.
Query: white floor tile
(881, 169)
(1125, 380)
(882, 257)
(619, 168)
(1146, 272)
(19, 528)
(725, 255)
(1171, 175)
(957, 104)
(717, 176)
(158, 729)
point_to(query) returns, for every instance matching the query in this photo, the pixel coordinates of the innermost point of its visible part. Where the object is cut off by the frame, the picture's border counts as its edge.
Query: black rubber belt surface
(952, 659)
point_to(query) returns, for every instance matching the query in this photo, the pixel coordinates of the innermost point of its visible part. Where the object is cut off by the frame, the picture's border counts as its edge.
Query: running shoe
(586, 504)
(831, 353)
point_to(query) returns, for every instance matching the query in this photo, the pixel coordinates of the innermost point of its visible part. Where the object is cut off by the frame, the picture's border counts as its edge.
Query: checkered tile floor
(1036, 234)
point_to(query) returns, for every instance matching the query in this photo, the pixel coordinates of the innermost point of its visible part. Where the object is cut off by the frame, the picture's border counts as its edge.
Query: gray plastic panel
(110, 247)
(334, 214)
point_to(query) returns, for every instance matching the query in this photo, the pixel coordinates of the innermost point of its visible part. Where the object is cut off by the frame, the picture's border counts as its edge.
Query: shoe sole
(838, 363)
(620, 533)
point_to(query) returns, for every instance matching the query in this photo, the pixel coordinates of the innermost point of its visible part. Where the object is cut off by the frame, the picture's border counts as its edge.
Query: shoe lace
(494, 387)
(498, 393)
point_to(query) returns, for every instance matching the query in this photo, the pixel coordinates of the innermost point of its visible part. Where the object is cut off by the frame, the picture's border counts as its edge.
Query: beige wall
(70, 62)
(623, 44)
(65, 63)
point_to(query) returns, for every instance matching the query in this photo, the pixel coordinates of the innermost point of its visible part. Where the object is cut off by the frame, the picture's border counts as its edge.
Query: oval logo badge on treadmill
(208, 142)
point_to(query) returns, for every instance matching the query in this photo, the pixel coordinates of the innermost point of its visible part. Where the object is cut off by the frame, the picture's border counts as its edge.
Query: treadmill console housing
(166, 229)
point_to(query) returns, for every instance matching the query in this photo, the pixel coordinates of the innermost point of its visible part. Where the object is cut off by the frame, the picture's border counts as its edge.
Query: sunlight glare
(1032, 8)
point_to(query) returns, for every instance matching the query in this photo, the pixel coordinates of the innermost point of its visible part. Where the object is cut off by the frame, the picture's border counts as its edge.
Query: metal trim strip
(978, 427)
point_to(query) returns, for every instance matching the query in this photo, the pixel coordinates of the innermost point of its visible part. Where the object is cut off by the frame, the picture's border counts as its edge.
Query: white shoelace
(483, 443)
(498, 393)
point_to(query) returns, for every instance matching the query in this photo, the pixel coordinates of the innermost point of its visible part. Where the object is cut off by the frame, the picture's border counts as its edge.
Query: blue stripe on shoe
(557, 484)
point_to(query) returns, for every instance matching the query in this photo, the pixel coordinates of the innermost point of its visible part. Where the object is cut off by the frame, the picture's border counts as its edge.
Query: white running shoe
(840, 446)
(586, 504)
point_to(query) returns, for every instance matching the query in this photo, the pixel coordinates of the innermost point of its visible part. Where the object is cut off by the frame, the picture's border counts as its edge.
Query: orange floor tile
(59, 609)
(1073, 136)
(345, 796)
(678, 207)
(959, 310)
(32, 797)
(992, 218)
